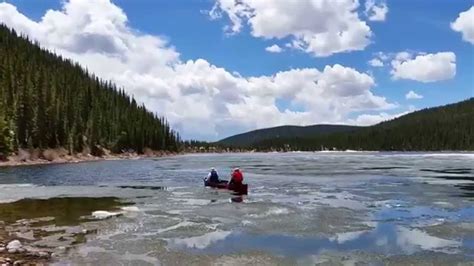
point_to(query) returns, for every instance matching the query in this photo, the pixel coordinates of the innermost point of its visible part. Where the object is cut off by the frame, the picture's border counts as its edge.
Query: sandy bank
(79, 158)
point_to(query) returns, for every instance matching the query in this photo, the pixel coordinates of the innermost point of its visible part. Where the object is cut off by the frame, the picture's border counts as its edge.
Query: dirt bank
(23, 158)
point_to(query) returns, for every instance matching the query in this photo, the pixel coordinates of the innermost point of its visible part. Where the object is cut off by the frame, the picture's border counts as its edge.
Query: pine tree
(5, 137)
(50, 102)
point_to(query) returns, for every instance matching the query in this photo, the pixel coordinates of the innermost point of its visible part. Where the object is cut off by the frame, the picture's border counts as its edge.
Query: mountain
(47, 101)
(252, 138)
(449, 127)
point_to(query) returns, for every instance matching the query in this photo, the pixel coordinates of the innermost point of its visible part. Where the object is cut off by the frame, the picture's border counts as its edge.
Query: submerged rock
(26, 235)
(43, 254)
(14, 245)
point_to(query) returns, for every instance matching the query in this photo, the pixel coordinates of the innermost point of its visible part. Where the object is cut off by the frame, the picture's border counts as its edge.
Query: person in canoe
(213, 176)
(236, 177)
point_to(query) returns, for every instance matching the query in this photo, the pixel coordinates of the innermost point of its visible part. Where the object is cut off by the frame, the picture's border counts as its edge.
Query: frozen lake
(302, 208)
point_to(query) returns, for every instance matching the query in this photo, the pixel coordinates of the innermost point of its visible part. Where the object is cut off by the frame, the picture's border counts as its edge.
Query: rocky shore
(39, 231)
(14, 252)
(59, 156)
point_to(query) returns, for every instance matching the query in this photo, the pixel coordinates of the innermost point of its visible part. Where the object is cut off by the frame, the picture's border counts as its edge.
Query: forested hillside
(449, 127)
(49, 102)
(251, 138)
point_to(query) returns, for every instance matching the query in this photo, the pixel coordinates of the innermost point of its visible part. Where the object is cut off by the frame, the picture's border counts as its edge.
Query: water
(302, 208)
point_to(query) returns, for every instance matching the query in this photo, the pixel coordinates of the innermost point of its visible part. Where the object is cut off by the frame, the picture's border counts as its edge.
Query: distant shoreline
(12, 162)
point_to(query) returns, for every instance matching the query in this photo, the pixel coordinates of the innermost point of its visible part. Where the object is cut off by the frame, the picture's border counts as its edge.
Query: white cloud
(373, 119)
(375, 62)
(382, 56)
(424, 67)
(379, 59)
(320, 28)
(411, 95)
(376, 10)
(465, 25)
(200, 100)
(274, 49)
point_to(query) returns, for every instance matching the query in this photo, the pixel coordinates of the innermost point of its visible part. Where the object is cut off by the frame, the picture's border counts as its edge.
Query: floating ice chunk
(104, 214)
(127, 210)
(131, 209)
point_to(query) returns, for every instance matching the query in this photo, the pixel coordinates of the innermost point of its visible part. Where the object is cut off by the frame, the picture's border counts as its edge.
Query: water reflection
(237, 199)
(299, 204)
(63, 210)
(467, 190)
(386, 238)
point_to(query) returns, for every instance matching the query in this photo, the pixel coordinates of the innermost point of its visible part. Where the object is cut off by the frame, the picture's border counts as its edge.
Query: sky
(215, 68)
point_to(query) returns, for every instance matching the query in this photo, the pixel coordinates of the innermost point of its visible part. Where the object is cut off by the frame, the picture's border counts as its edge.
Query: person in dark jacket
(213, 176)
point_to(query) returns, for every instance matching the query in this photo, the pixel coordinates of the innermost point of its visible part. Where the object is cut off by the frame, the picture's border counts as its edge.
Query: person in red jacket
(237, 177)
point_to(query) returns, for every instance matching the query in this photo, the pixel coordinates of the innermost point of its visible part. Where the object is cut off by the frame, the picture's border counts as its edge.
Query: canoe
(224, 184)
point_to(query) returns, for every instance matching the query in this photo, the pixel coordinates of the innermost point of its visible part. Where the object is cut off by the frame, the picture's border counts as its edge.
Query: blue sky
(186, 27)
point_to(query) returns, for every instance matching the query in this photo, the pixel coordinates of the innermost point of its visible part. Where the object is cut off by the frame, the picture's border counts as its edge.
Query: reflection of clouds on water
(410, 240)
(348, 236)
(385, 238)
(200, 242)
(381, 241)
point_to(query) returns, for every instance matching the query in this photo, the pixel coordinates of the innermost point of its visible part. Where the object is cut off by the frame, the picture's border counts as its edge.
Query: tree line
(47, 101)
(449, 127)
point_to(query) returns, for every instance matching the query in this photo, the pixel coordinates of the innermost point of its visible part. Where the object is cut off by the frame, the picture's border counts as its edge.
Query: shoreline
(13, 162)
(20, 255)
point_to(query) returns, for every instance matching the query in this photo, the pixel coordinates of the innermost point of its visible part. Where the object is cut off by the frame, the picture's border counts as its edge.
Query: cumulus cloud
(274, 49)
(411, 95)
(375, 62)
(465, 25)
(376, 10)
(373, 119)
(379, 59)
(320, 28)
(200, 100)
(424, 67)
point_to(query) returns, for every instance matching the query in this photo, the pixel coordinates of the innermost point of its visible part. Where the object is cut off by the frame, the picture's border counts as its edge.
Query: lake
(302, 208)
